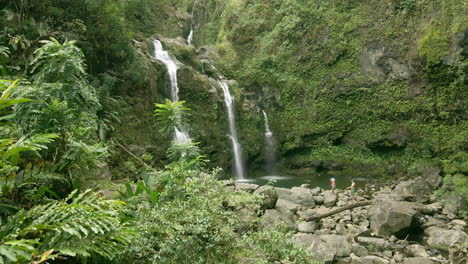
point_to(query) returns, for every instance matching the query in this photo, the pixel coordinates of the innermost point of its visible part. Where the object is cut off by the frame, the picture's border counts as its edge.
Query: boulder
(297, 195)
(418, 260)
(417, 250)
(444, 238)
(303, 239)
(316, 190)
(327, 247)
(307, 215)
(273, 217)
(285, 205)
(359, 250)
(329, 199)
(319, 199)
(418, 188)
(369, 260)
(269, 197)
(248, 187)
(246, 219)
(307, 227)
(388, 217)
(374, 241)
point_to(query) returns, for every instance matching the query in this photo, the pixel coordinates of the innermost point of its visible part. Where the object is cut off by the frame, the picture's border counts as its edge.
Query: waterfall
(236, 147)
(180, 137)
(270, 146)
(190, 36)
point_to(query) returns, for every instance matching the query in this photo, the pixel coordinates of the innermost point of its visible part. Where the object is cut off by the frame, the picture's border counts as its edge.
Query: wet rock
(307, 227)
(389, 217)
(444, 238)
(329, 199)
(327, 247)
(248, 187)
(284, 205)
(269, 197)
(273, 217)
(417, 251)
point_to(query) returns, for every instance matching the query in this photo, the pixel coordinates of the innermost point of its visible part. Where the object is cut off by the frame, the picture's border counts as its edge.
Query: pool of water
(314, 180)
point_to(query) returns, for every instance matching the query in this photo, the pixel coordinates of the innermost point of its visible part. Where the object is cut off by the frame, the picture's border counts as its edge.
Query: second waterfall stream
(236, 147)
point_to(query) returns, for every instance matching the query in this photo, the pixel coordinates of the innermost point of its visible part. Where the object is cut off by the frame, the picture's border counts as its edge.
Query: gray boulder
(246, 219)
(269, 197)
(316, 190)
(307, 215)
(418, 260)
(327, 247)
(303, 239)
(417, 250)
(285, 205)
(444, 238)
(329, 199)
(248, 187)
(319, 199)
(374, 242)
(307, 227)
(360, 251)
(388, 217)
(273, 217)
(297, 195)
(369, 260)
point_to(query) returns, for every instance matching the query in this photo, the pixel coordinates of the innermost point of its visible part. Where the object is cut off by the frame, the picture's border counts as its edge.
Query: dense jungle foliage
(376, 87)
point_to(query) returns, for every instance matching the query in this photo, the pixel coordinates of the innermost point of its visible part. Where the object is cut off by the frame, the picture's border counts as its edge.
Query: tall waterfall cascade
(236, 147)
(270, 146)
(180, 136)
(190, 36)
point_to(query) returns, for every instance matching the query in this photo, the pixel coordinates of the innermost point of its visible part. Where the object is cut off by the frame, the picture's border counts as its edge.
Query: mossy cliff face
(368, 87)
(355, 82)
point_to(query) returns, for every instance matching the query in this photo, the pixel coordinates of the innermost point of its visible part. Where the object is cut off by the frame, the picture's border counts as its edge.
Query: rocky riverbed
(402, 223)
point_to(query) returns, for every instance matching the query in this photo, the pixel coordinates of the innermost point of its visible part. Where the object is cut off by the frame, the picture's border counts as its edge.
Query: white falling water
(236, 147)
(270, 147)
(180, 137)
(171, 65)
(190, 36)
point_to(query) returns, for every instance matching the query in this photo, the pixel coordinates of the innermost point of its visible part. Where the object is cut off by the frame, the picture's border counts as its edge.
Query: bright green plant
(82, 225)
(66, 104)
(11, 148)
(170, 115)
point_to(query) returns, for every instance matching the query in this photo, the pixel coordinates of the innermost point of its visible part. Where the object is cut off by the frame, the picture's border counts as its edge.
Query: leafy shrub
(82, 225)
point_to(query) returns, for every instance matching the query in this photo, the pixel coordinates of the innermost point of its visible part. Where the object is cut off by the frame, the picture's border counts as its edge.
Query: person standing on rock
(333, 185)
(353, 189)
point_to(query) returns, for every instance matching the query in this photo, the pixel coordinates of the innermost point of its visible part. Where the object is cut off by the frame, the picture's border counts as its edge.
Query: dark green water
(314, 180)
